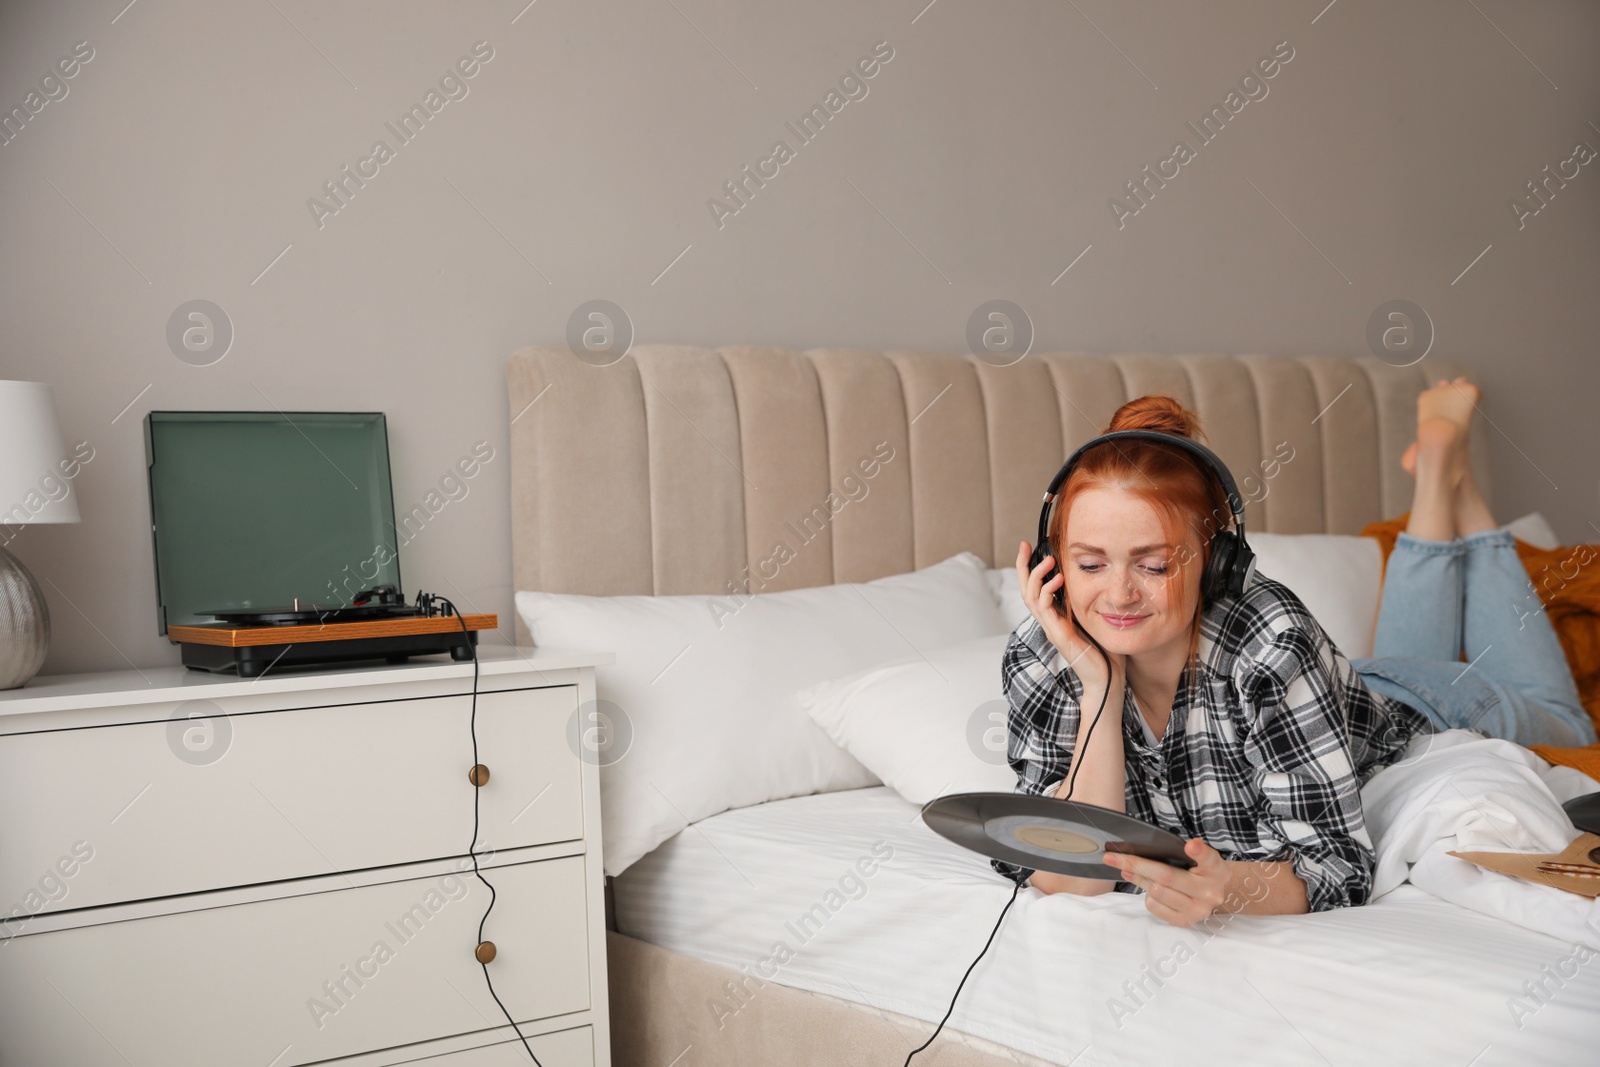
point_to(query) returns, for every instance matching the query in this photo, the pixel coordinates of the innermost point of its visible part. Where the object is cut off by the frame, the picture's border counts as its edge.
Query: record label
(1054, 838)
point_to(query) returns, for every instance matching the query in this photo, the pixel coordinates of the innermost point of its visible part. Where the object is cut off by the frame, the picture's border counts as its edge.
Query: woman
(1243, 728)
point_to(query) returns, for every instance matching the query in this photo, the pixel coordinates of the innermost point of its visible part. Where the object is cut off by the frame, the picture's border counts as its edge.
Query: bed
(671, 474)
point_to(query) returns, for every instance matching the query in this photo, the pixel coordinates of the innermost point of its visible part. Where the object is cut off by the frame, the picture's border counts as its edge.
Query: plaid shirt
(1265, 752)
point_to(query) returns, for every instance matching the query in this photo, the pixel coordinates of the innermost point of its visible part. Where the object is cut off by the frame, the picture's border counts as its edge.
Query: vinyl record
(1584, 812)
(1047, 834)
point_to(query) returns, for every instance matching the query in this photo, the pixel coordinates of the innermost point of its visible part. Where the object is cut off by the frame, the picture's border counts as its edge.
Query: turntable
(276, 544)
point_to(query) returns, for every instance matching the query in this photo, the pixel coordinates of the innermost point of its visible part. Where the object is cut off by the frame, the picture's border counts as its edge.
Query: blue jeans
(1472, 595)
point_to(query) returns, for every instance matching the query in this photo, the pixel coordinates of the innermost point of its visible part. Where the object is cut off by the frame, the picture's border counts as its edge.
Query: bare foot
(1446, 503)
(1453, 401)
(1440, 452)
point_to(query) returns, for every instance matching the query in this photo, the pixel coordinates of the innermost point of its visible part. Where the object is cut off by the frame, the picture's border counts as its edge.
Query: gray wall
(579, 164)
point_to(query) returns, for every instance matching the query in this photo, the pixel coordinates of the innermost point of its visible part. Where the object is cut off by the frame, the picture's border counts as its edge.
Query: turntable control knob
(479, 776)
(485, 952)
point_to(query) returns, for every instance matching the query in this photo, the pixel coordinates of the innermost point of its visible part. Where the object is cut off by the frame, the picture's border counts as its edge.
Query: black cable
(472, 850)
(1073, 780)
(1017, 888)
(1071, 784)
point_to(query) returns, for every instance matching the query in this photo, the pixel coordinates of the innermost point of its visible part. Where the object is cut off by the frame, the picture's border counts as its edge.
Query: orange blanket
(1568, 582)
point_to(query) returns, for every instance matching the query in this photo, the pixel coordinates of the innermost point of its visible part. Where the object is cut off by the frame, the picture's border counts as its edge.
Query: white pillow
(705, 687)
(1534, 529)
(1336, 576)
(927, 726)
(1003, 584)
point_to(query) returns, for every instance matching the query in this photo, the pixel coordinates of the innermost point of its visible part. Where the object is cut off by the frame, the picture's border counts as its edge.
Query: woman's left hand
(1180, 897)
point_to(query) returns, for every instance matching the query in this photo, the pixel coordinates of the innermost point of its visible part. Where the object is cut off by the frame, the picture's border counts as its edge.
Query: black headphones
(1232, 561)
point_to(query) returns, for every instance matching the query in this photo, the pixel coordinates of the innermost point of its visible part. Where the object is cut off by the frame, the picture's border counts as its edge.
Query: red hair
(1183, 491)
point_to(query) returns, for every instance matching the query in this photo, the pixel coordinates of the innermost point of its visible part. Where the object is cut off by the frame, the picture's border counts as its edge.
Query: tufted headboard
(696, 470)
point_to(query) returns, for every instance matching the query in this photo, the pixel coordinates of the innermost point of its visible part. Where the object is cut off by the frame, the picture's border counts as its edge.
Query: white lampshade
(34, 461)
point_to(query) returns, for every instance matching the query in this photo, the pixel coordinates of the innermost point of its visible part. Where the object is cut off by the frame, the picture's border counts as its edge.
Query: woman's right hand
(1038, 593)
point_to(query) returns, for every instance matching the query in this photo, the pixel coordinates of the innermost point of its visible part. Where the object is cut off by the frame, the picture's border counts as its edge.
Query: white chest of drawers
(202, 871)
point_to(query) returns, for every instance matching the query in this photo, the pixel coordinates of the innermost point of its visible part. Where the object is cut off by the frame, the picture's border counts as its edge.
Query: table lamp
(34, 488)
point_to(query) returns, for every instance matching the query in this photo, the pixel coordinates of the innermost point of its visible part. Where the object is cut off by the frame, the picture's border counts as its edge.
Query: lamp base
(24, 623)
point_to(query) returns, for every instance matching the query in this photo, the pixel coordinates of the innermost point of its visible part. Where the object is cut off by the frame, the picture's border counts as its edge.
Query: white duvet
(1456, 791)
(850, 895)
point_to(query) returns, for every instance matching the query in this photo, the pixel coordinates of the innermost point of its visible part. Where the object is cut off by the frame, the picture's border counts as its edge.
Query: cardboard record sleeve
(1046, 834)
(1526, 866)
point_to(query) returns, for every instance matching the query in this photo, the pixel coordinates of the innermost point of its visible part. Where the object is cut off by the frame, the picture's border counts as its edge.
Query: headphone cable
(1015, 889)
(1073, 780)
(1017, 886)
(472, 850)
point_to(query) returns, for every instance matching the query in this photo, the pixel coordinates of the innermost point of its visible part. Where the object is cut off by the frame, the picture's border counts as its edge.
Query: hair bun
(1160, 413)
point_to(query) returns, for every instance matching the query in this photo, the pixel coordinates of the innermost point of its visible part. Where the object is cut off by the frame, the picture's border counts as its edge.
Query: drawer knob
(479, 776)
(485, 952)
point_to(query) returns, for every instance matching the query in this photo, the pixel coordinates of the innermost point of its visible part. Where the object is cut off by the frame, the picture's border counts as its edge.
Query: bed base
(662, 1014)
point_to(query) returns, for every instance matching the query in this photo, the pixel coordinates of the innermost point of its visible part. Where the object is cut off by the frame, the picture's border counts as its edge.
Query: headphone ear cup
(1039, 553)
(1214, 583)
(1244, 565)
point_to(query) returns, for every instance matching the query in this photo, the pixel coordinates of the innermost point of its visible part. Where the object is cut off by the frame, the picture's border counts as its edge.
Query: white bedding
(1428, 973)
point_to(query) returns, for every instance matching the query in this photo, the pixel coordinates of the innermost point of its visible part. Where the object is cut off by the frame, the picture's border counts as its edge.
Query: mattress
(849, 894)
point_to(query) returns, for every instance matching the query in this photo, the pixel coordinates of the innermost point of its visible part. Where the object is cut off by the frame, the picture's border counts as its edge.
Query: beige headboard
(696, 470)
